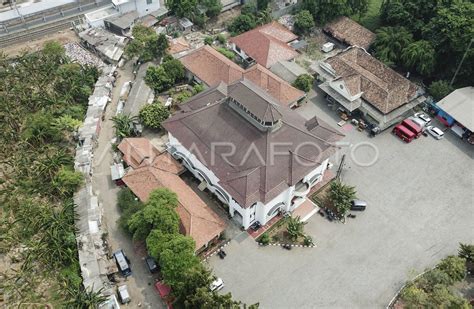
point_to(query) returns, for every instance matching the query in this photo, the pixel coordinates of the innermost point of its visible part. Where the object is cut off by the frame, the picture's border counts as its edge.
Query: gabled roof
(138, 151)
(267, 44)
(381, 86)
(252, 173)
(258, 102)
(197, 219)
(348, 31)
(211, 67)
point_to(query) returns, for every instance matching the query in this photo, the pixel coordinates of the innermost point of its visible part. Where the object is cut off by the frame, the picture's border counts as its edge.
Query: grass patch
(371, 19)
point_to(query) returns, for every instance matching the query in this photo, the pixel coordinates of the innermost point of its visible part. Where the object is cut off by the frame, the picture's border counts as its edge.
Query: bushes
(303, 22)
(163, 77)
(265, 239)
(152, 115)
(304, 82)
(229, 54)
(433, 288)
(439, 89)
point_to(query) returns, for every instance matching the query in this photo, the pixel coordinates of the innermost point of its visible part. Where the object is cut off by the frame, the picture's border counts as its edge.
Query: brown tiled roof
(137, 151)
(267, 44)
(348, 31)
(251, 176)
(381, 86)
(274, 85)
(197, 219)
(212, 67)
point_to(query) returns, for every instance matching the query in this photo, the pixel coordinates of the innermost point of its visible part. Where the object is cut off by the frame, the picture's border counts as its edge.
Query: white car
(423, 117)
(217, 284)
(435, 132)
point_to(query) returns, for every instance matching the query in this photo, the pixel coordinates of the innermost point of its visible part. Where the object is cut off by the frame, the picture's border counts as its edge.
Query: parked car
(435, 132)
(123, 263)
(424, 118)
(255, 226)
(403, 133)
(217, 284)
(359, 205)
(151, 265)
(418, 122)
(412, 126)
(123, 295)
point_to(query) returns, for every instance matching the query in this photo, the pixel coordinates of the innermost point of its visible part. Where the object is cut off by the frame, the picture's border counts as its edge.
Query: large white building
(257, 156)
(120, 7)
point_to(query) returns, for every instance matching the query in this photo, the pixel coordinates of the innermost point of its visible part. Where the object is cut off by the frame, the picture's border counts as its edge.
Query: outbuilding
(456, 111)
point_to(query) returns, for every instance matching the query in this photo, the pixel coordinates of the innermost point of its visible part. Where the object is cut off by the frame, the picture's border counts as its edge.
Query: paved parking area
(421, 201)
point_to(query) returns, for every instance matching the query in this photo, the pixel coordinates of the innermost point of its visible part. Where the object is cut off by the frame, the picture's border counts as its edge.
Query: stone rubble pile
(288, 21)
(82, 56)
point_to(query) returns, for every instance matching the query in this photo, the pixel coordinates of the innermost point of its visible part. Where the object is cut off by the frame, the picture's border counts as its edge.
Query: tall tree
(341, 196)
(213, 7)
(303, 22)
(390, 42)
(182, 8)
(420, 56)
(146, 44)
(324, 11)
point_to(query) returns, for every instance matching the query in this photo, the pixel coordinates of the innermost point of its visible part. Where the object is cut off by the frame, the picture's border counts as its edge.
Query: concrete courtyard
(420, 198)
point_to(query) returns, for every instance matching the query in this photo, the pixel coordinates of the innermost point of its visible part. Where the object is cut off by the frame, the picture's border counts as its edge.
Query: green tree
(263, 17)
(341, 196)
(123, 125)
(208, 40)
(127, 200)
(439, 89)
(158, 213)
(213, 7)
(295, 228)
(454, 267)
(466, 252)
(146, 44)
(264, 239)
(173, 68)
(262, 4)
(67, 181)
(413, 297)
(182, 8)
(84, 299)
(39, 128)
(152, 115)
(156, 241)
(242, 23)
(390, 42)
(304, 22)
(158, 79)
(304, 82)
(419, 55)
(177, 260)
(324, 11)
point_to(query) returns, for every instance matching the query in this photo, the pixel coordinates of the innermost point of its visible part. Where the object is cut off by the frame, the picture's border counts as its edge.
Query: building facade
(259, 158)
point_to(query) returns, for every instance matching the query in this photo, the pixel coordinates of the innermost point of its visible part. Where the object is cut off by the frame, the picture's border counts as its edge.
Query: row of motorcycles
(331, 216)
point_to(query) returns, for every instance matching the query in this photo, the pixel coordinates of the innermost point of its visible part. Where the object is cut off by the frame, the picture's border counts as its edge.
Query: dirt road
(63, 37)
(140, 284)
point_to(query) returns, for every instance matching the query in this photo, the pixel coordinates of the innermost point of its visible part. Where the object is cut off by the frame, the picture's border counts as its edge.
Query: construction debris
(82, 56)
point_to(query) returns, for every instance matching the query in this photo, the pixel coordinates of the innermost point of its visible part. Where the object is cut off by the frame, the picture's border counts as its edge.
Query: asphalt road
(420, 198)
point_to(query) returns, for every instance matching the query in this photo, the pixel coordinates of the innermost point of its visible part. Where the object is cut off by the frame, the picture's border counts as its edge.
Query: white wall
(140, 6)
(260, 210)
(340, 87)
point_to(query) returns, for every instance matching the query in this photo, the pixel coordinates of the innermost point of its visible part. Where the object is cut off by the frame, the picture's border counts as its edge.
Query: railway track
(37, 32)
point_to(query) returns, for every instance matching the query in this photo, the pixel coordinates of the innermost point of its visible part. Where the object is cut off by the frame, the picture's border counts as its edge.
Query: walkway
(140, 284)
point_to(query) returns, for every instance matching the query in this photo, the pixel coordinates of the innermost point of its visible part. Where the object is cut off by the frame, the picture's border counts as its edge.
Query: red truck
(404, 133)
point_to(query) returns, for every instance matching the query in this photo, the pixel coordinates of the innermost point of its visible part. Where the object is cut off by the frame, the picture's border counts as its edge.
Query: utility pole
(341, 166)
(462, 60)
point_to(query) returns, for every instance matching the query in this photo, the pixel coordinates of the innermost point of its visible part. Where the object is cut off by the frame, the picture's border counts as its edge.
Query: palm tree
(84, 299)
(341, 196)
(390, 42)
(295, 227)
(419, 55)
(467, 252)
(123, 125)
